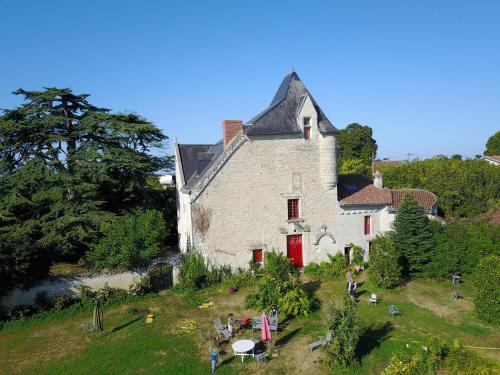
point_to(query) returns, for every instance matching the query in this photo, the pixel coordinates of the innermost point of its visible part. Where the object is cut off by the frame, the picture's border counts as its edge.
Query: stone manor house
(272, 182)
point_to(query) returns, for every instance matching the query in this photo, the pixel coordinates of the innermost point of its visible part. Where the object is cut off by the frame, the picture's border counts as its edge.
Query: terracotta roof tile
(369, 195)
(425, 199)
(493, 158)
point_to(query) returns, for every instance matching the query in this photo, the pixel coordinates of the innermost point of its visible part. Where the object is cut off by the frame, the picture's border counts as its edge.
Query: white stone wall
(248, 200)
(184, 223)
(70, 286)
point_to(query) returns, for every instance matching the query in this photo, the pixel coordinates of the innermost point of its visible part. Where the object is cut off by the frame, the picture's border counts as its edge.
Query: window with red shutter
(293, 209)
(307, 133)
(367, 225)
(257, 256)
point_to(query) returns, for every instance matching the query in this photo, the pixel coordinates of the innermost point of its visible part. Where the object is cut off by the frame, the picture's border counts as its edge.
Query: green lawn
(129, 346)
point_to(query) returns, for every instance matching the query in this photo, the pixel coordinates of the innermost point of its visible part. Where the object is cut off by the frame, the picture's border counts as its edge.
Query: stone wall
(70, 286)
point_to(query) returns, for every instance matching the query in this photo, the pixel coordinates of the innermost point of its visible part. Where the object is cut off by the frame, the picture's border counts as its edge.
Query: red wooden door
(294, 250)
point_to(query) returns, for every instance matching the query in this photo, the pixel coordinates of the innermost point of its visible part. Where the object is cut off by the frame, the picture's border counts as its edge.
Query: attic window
(307, 121)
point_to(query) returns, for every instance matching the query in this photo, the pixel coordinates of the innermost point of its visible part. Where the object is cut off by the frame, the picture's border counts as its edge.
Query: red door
(294, 250)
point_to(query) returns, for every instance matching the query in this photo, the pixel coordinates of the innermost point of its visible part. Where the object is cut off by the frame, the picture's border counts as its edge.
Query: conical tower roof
(281, 116)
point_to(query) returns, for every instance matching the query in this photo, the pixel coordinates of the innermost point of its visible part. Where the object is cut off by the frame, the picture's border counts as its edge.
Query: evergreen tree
(344, 324)
(413, 236)
(66, 168)
(385, 268)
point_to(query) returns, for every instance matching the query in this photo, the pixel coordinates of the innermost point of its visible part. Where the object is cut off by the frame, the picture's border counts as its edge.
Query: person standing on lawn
(214, 357)
(230, 323)
(348, 276)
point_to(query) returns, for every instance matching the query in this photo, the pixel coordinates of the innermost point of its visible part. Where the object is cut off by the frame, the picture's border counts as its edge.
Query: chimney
(377, 180)
(230, 128)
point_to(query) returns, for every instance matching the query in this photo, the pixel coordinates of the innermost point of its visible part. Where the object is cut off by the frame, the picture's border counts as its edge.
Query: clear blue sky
(425, 75)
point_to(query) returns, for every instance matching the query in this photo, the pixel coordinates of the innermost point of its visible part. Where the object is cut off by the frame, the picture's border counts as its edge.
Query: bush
(295, 302)
(21, 312)
(385, 269)
(461, 244)
(238, 281)
(486, 291)
(193, 271)
(277, 266)
(334, 269)
(218, 274)
(357, 255)
(141, 288)
(62, 301)
(106, 295)
(130, 241)
(268, 293)
(43, 301)
(344, 324)
(438, 357)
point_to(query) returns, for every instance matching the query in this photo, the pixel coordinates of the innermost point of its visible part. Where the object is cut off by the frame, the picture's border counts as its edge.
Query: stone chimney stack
(230, 128)
(377, 180)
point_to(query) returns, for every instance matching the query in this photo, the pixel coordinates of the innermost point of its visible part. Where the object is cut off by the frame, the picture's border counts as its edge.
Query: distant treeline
(464, 187)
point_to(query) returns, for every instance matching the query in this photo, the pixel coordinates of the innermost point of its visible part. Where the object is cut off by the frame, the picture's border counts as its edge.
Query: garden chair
(256, 323)
(456, 295)
(373, 298)
(260, 357)
(221, 330)
(273, 324)
(321, 342)
(394, 311)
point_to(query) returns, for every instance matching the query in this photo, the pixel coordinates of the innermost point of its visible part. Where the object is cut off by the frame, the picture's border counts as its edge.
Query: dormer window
(307, 128)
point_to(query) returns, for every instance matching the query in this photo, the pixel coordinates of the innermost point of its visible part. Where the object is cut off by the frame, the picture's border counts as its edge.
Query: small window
(307, 133)
(257, 256)
(307, 121)
(368, 229)
(293, 209)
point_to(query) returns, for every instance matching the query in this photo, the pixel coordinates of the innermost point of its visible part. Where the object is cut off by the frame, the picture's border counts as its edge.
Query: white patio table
(242, 347)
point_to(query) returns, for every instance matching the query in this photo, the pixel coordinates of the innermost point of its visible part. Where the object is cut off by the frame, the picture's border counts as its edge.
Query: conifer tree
(413, 236)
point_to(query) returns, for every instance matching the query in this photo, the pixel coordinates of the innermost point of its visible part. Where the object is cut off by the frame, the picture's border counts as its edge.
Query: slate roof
(194, 159)
(358, 190)
(281, 115)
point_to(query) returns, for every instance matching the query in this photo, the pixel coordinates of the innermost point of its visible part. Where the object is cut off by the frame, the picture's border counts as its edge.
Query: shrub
(106, 295)
(344, 324)
(141, 288)
(312, 269)
(357, 255)
(62, 301)
(295, 302)
(461, 244)
(238, 281)
(334, 269)
(277, 266)
(43, 301)
(486, 291)
(130, 241)
(218, 274)
(438, 357)
(267, 294)
(193, 271)
(21, 311)
(385, 270)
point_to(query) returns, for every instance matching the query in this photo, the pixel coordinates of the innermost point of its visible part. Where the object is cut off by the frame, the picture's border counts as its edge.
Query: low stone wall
(70, 286)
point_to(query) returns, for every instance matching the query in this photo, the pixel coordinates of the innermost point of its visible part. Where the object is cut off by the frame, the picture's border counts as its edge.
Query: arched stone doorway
(161, 273)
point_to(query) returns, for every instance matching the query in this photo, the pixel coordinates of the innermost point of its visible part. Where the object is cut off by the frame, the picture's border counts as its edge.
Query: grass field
(129, 346)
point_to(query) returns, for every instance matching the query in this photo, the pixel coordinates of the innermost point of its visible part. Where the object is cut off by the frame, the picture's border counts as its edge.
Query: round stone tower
(328, 160)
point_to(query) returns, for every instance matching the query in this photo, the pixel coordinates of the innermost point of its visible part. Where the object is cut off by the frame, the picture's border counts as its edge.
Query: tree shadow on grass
(283, 340)
(116, 329)
(311, 286)
(372, 337)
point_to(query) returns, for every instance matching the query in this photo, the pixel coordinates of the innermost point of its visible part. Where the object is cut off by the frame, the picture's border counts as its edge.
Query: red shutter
(257, 256)
(307, 133)
(367, 225)
(293, 209)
